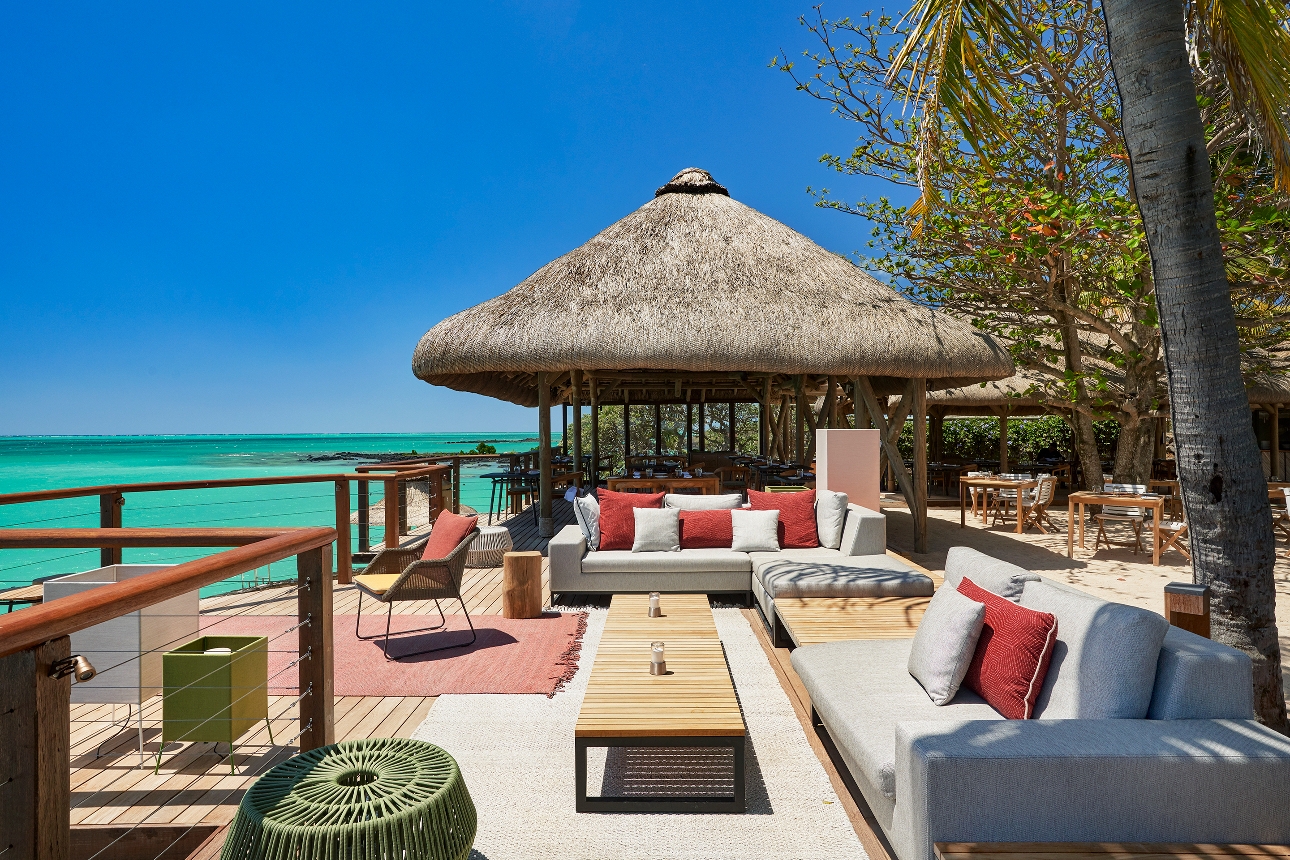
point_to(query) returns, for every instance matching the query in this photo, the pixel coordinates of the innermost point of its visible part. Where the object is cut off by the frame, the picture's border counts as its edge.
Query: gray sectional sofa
(1143, 733)
(858, 566)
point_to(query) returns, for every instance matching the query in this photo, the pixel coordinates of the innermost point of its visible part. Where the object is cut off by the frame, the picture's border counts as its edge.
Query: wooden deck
(194, 786)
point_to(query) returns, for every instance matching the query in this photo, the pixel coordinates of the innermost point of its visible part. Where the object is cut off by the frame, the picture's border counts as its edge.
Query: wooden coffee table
(694, 705)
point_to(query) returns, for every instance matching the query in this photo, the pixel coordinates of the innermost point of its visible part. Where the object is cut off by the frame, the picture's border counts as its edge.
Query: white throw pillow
(657, 530)
(830, 514)
(687, 502)
(586, 510)
(944, 643)
(755, 531)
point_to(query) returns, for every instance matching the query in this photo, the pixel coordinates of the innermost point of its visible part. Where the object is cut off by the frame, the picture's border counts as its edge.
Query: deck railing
(36, 658)
(394, 477)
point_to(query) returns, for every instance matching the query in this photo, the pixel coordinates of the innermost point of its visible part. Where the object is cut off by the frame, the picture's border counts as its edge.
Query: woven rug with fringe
(516, 756)
(511, 655)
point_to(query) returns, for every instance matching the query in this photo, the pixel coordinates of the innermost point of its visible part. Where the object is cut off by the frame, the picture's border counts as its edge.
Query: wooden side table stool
(522, 585)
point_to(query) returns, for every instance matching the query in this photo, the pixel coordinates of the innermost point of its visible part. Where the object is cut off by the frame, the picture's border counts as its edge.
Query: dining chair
(1133, 516)
(980, 494)
(1034, 506)
(1004, 498)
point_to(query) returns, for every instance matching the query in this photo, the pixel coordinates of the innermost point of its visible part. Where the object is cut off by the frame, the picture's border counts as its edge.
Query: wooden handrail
(34, 625)
(134, 537)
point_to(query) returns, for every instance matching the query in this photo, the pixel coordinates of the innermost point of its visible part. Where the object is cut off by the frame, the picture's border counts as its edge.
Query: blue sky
(226, 218)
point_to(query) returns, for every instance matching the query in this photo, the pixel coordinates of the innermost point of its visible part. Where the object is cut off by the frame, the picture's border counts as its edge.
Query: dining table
(993, 483)
(1151, 501)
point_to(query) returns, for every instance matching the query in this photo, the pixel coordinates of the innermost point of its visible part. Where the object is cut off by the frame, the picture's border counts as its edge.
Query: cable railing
(37, 668)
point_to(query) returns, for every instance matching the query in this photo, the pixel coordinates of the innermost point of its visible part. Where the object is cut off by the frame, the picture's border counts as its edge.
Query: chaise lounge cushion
(828, 573)
(861, 690)
(1104, 664)
(994, 575)
(684, 561)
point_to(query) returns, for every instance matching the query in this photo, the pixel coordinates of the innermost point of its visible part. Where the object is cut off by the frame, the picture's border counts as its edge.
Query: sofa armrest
(565, 552)
(864, 533)
(1196, 781)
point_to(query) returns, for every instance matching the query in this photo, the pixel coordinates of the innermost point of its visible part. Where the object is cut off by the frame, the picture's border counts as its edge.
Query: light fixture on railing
(76, 665)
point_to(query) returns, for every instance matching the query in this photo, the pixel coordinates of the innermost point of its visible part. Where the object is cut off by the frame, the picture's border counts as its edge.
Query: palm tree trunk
(1219, 465)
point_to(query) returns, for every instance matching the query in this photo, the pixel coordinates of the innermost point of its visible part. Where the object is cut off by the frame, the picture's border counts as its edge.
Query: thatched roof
(989, 398)
(687, 295)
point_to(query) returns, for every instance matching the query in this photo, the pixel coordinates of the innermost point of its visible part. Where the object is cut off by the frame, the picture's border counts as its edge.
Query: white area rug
(516, 754)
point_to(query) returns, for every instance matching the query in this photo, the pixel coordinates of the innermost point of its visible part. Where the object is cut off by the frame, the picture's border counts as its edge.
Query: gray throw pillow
(1104, 660)
(586, 510)
(994, 575)
(830, 514)
(755, 531)
(687, 502)
(657, 530)
(944, 643)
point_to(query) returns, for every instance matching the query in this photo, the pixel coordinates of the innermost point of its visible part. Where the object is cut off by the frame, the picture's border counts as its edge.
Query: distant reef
(388, 456)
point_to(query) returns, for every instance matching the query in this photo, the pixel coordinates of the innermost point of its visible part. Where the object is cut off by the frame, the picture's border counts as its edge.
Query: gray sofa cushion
(828, 573)
(687, 502)
(862, 692)
(945, 642)
(864, 532)
(657, 530)
(992, 574)
(754, 531)
(1198, 679)
(830, 514)
(1104, 662)
(687, 560)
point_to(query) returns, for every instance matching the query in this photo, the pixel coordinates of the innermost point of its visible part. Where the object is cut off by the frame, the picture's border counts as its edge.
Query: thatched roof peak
(698, 292)
(692, 180)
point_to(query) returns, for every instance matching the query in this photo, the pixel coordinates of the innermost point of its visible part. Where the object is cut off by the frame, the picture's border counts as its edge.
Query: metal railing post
(317, 662)
(456, 485)
(35, 758)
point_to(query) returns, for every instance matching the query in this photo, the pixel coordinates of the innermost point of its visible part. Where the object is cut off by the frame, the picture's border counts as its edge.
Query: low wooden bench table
(693, 705)
(1105, 851)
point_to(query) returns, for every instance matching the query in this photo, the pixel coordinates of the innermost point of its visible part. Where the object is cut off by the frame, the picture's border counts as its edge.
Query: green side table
(372, 798)
(214, 689)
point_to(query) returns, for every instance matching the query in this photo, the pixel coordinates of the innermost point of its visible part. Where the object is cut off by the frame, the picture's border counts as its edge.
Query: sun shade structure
(695, 297)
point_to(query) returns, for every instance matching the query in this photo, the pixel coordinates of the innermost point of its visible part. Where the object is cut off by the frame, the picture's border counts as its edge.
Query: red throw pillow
(796, 516)
(707, 530)
(1011, 658)
(449, 530)
(617, 522)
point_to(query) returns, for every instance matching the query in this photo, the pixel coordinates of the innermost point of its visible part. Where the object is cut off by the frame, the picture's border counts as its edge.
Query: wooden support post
(920, 465)
(1003, 441)
(522, 585)
(564, 435)
(546, 527)
(392, 521)
(344, 549)
(703, 427)
(658, 429)
(731, 427)
(110, 505)
(627, 433)
(1187, 606)
(313, 605)
(800, 413)
(575, 378)
(595, 431)
(364, 517)
(889, 433)
(1275, 448)
(689, 429)
(35, 757)
(763, 423)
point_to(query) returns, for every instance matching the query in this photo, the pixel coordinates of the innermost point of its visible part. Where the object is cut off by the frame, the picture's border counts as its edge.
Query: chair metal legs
(443, 622)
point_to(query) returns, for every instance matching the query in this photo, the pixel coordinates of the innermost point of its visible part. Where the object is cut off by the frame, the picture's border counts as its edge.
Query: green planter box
(214, 697)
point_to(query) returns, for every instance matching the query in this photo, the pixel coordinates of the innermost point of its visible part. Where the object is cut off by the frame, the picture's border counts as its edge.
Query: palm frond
(1250, 40)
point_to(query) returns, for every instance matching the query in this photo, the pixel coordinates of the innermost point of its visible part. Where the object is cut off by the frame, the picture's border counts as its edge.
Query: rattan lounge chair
(401, 574)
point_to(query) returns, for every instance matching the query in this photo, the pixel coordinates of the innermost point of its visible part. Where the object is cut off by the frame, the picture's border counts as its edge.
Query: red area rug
(510, 655)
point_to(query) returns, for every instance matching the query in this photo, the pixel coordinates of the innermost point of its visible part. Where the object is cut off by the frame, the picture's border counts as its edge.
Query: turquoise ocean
(30, 463)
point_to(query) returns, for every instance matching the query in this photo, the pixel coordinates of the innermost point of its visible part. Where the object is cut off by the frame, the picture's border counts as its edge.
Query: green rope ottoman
(374, 798)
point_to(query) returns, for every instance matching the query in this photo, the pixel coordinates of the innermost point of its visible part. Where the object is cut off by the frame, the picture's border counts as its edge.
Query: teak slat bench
(693, 705)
